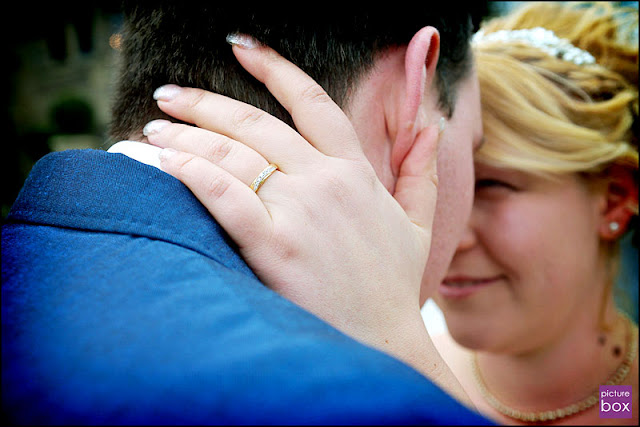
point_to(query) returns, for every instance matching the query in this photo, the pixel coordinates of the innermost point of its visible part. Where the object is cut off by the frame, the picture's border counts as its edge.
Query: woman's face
(526, 264)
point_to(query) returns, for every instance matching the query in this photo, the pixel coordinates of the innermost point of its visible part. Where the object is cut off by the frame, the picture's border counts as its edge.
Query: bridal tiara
(540, 38)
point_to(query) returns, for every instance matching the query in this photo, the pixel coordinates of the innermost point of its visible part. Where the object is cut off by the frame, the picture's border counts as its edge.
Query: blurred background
(61, 65)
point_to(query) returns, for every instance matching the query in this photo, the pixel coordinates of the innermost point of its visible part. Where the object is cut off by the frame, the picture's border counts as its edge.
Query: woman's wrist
(408, 340)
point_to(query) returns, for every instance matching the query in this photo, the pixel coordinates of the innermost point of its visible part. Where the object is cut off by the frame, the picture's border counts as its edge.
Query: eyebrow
(480, 144)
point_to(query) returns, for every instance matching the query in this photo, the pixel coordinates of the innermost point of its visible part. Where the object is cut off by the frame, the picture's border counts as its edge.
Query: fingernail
(242, 40)
(166, 153)
(166, 92)
(442, 124)
(154, 126)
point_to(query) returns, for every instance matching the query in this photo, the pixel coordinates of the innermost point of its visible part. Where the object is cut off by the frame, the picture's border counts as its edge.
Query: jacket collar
(98, 191)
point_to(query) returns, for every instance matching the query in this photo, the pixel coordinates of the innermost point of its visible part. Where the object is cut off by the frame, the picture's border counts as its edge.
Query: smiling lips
(462, 286)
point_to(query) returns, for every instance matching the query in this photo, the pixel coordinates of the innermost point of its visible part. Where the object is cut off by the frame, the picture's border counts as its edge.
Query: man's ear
(421, 59)
(621, 197)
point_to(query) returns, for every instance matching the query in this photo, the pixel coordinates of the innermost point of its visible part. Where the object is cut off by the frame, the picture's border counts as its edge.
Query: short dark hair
(175, 42)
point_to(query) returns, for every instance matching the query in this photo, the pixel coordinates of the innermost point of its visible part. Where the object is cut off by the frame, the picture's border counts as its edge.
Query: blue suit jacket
(124, 302)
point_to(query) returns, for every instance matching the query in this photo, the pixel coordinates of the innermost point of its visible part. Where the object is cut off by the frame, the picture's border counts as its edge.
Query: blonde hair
(549, 116)
(546, 115)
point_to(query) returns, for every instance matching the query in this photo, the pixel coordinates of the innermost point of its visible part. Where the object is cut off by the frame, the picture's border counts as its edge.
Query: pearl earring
(614, 226)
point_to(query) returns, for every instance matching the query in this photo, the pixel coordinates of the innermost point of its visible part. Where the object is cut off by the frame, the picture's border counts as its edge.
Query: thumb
(417, 185)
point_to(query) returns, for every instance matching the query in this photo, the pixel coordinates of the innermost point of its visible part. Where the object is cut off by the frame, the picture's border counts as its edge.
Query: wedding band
(264, 175)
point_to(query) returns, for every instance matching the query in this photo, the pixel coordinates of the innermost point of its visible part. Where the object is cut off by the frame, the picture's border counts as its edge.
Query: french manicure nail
(154, 126)
(166, 153)
(166, 92)
(442, 125)
(242, 40)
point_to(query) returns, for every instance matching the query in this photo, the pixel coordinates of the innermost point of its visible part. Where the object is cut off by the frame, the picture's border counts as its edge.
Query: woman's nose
(468, 240)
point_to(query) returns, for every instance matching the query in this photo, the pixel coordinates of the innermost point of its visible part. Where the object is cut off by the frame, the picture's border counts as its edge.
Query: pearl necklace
(584, 404)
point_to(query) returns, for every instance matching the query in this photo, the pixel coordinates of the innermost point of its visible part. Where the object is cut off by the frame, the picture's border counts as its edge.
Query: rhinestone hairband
(542, 39)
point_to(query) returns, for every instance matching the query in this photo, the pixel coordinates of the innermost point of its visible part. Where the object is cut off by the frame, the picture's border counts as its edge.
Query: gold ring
(264, 175)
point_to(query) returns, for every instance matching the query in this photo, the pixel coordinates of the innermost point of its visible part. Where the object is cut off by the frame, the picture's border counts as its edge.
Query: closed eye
(493, 183)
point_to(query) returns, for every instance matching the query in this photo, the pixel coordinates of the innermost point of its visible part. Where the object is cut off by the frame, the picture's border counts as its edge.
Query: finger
(236, 158)
(272, 138)
(232, 203)
(417, 185)
(317, 117)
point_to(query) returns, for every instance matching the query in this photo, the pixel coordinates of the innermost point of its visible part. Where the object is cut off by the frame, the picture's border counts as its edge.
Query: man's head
(394, 71)
(175, 42)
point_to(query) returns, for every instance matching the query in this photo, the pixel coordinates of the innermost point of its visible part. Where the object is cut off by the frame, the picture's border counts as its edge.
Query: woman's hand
(322, 230)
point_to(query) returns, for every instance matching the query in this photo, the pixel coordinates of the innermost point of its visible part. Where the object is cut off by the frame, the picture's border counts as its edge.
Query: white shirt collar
(144, 153)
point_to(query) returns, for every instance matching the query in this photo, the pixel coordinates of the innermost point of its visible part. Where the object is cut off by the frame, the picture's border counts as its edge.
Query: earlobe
(615, 223)
(421, 59)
